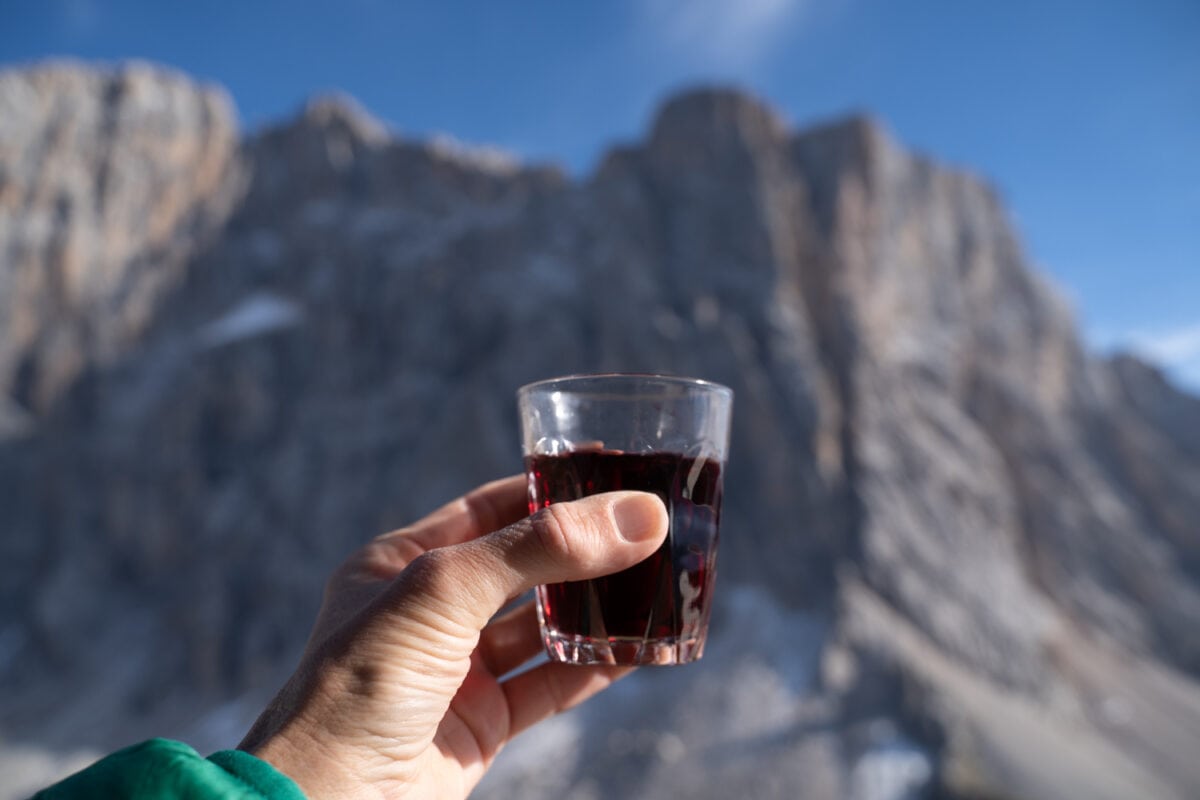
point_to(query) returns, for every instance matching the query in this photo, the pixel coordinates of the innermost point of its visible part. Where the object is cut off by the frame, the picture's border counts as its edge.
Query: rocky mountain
(961, 555)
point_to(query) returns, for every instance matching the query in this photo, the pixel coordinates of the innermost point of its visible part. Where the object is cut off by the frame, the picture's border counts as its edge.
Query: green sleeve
(161, 769)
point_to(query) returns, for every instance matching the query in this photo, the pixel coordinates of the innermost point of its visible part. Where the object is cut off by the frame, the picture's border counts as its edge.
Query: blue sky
(1085, 114)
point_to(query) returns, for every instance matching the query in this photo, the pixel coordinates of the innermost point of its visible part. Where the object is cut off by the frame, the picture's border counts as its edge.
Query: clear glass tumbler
(587, 434)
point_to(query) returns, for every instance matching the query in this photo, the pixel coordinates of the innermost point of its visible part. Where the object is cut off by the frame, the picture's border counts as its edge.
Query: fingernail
(638, 516)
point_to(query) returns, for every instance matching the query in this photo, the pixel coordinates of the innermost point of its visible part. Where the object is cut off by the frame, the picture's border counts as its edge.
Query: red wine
(665, 597)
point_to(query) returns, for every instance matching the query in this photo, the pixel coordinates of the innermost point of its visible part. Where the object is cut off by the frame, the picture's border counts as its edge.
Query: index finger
(481, 511)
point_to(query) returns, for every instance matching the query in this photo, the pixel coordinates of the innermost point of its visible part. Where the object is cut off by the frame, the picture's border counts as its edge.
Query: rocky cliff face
(961, 556)
(110, 180)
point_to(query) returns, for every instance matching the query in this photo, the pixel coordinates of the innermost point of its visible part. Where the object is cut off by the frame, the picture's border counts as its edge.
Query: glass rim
(564, 382)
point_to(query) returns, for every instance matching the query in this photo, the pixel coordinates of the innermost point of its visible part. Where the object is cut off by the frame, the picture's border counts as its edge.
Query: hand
(401, 689)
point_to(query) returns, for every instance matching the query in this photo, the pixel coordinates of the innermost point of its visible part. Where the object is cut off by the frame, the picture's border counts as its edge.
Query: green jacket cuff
(261, 776)
(161, 769)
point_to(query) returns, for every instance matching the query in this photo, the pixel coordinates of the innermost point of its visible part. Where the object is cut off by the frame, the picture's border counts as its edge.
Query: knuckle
(429, 573)
(437, 591)
(552, 527)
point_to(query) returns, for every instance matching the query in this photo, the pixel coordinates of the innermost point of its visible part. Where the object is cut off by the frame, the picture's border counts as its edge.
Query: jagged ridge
(962, 531)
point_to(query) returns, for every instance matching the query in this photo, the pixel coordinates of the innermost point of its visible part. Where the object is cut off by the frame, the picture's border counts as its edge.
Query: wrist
(320, 770)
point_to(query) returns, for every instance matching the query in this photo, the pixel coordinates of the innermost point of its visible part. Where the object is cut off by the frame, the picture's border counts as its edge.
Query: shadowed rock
(959, 555)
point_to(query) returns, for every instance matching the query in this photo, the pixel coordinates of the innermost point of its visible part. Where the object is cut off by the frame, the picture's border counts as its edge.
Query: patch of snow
(491, 159)
(788, 641)
(256, 315)
(757, 678)
(340, 109)
(892, 767)
(28, 769)
(524, 768)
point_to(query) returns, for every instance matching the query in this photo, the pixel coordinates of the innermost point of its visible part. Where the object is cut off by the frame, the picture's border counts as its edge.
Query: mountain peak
(857, 138)
(146, 87)
(949, 542)
(721, 116)
(338, 112)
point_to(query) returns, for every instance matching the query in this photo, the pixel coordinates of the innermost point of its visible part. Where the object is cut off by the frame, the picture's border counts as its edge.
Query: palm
(453, 708)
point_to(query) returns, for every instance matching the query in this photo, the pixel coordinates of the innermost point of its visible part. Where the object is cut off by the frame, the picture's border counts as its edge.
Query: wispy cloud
(1171, 347)
(1176, 349)
(727, 35)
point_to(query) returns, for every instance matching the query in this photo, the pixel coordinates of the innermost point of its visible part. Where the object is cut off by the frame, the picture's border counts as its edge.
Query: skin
(404, 689)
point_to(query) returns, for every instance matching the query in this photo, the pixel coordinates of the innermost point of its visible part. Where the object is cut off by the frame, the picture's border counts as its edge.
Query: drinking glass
(587, 434)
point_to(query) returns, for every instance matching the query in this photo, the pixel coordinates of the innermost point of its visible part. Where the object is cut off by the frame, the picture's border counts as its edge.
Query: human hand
(401, 689)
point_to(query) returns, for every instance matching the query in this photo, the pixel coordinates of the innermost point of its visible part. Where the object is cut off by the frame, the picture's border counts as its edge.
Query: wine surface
(666, 596)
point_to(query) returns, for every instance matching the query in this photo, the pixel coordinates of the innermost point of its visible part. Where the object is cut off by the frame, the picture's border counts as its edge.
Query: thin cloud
(719, 34)
(1176, 349)
(1173, 348)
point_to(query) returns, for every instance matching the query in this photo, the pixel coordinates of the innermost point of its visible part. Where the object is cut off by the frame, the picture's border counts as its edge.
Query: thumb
(587, 538)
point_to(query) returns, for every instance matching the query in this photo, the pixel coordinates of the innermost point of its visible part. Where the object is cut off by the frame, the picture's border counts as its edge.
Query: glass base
(621, 651)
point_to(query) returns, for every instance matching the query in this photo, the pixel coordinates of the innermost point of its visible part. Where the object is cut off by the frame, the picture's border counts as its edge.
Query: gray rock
(109, 181)
(960, 556)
